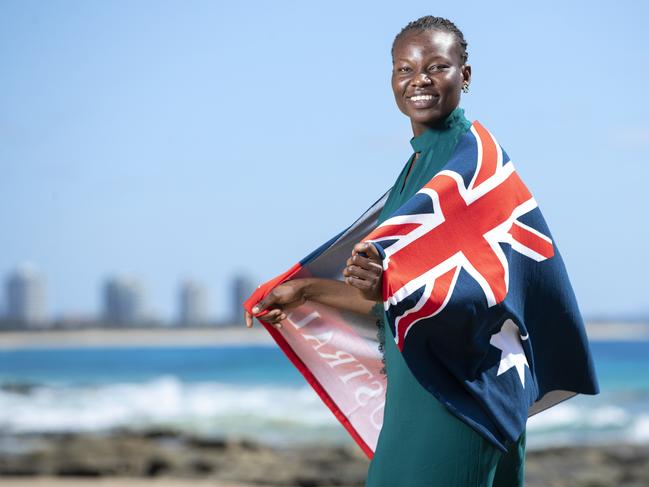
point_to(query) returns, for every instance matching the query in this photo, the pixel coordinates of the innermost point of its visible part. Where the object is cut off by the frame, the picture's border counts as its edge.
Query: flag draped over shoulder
(476, 296)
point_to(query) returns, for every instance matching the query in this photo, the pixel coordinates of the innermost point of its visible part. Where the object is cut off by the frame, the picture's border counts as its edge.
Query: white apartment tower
(25, 297)
(123, 301)
(193, 304)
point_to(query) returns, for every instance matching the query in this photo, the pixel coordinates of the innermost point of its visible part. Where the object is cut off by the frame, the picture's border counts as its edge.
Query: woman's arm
(359, 293)
(331, 292)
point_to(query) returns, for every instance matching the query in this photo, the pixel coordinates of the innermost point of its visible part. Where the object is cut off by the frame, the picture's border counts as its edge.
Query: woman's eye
(438, 67)
(403, 69)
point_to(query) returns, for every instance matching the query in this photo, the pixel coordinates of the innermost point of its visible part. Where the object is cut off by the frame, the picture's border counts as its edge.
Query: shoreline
(236, 335)
(136, 337)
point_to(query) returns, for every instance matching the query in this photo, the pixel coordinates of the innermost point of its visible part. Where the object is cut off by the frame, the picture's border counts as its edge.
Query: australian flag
(476, 295)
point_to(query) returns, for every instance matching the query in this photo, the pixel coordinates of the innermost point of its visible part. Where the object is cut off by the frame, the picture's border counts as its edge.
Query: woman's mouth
(422, 101)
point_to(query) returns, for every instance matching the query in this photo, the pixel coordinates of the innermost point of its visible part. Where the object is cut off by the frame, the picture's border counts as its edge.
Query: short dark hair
(429, 22)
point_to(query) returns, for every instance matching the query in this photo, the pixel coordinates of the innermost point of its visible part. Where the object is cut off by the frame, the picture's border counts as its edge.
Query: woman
(421, 443)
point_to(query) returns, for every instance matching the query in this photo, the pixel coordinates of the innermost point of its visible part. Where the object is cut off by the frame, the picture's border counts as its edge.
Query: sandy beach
(135, 337)
(230, 335)
(605, 330)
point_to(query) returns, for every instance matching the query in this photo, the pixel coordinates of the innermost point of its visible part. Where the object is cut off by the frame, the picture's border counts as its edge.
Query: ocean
(254, 392)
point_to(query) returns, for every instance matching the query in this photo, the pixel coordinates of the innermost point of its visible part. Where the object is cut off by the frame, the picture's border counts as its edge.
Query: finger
(366, 250)
(248, 318)
(356, 271)
(361, 284)
(264, 303)
(274, 317)
(271, 316)
(360, 247)
(372, 252)
(367, 264)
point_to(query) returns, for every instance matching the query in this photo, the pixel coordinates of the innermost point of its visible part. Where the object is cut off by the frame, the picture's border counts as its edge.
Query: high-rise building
(25, 296)
(242, 288)
(123, 301)
(193, 304)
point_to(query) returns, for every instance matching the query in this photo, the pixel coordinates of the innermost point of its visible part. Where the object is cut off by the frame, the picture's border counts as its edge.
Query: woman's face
(427, 77)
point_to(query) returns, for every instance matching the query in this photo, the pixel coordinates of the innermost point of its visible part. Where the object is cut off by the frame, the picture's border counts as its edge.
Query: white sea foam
(608, 416)
(572, 423)
(204, 408)
(273, 413)
(640, 430)
(555, 417)
(573, 416)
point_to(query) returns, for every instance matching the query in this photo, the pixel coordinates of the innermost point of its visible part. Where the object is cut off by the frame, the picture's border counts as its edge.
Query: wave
(273, 413)
(570, 416)
(640, 431)
(277, 414)
(586, 421)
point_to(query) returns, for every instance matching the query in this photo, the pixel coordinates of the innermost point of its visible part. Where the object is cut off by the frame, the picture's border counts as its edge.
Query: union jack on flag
(462, 226)
(476, 296)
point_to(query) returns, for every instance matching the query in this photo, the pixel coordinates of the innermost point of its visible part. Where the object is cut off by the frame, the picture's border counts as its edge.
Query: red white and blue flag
(477, 299)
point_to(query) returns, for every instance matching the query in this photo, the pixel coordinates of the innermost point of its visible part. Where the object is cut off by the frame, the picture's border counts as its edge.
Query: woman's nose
(421, 79)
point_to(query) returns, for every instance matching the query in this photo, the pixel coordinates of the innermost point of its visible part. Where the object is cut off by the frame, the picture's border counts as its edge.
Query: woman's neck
(441, 124)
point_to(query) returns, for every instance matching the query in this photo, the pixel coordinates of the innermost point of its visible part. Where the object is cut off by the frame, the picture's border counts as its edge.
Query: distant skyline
(201, 140)
(124, 301)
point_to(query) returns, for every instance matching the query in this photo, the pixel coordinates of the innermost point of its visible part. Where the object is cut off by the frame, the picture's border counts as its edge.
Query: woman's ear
(466, 73)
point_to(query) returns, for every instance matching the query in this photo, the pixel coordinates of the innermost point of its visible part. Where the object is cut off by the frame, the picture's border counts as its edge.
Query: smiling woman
(429, 73)
(421, 443)
(448, 268)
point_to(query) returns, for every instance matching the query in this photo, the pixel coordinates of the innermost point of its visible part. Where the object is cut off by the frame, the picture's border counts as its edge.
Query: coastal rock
(589, 466)
(240, 461)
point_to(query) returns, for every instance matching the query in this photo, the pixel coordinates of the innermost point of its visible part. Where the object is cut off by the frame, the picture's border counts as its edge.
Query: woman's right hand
(287, 295)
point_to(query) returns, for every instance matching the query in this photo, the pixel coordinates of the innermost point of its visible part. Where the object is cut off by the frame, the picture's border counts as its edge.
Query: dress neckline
(431, 135)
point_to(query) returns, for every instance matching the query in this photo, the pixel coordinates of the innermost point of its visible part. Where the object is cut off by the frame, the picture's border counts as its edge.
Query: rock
(164, 453)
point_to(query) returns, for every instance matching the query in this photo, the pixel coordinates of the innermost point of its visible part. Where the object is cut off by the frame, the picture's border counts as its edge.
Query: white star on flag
(508, 340)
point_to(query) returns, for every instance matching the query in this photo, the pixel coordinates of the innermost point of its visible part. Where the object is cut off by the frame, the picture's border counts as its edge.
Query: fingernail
(255, 309)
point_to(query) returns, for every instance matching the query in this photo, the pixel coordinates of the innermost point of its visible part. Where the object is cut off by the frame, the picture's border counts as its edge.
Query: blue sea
(254, 392)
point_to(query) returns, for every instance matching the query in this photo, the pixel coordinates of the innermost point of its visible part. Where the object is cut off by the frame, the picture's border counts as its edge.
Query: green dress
(421, 443)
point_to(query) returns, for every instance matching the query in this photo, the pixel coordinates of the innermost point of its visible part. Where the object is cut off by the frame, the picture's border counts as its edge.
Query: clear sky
(173, 139)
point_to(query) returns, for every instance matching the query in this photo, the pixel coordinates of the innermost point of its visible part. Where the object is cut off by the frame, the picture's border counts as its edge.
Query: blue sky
(177, 139)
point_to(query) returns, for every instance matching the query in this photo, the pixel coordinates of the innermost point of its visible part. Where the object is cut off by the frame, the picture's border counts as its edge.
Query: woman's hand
(287, 295)
(365, 273)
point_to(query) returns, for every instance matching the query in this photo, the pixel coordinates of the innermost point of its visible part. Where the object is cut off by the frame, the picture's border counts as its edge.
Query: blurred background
(160, 159)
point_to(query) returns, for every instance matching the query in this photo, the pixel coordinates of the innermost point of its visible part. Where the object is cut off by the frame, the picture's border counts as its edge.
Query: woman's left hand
(365, 273)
